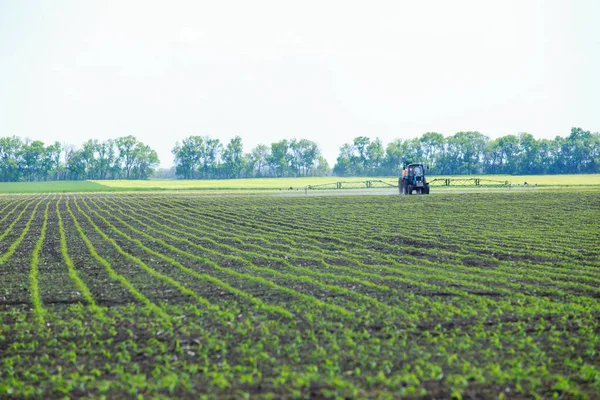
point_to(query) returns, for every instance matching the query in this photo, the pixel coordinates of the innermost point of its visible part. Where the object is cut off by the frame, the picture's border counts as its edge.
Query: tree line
(121, 158)
(203, 157)
(473, 153)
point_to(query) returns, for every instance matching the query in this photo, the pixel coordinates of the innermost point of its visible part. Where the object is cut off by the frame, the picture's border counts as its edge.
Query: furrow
(17, 219)
(113, 274)
(38, 307)
(71, 267)
(165, 278)
(397, 268)
(8, 204)
(500, 275)
(201, 276)
(249, 255)
(229, 271)
(490, 277)
(18, 241)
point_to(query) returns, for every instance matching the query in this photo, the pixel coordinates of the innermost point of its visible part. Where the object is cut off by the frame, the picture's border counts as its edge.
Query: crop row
(468, 263)
(183, 295)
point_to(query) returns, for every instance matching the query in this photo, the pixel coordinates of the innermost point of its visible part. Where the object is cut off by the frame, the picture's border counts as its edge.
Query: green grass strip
(83, 289)
(38, 307)
(113, 274)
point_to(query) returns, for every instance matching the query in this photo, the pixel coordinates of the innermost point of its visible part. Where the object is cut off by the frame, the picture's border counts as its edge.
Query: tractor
(413, 179)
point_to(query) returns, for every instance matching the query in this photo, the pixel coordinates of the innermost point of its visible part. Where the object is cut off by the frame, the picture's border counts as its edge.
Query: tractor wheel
(409, 189)
(426, 189)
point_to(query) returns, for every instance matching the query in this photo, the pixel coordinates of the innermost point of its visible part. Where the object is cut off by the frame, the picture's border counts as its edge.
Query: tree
(135, 158)
(211, 157)
(361, 157)
(577, 151)
(310, 155)
(375, 157)
(594, 166)
(346, 161)
(10, 150)
(145, 161)
(126, 146)
(233, 158)
(501, 155)
(106, 159)
(88, 156)
(394, 156)
(361, 143)
(197, 157)
(464, 153)
(52, 160)
(321, 168)
(303, 154)
(400, 152)
(432, 149)
(204, 157)
(279, 159)
(188, 155)
(562, 155)
(258, 159)
(32, 156)
(75, 164)
(493, 157)
(509, 148)
(528, 161)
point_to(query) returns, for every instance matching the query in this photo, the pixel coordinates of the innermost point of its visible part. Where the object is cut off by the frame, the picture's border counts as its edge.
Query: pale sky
(323, 70)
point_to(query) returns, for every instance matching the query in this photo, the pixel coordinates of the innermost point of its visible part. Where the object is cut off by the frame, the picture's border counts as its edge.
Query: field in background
(54, 187)
(575, 179)
(179, 294)
(299, 183)
(264, 183)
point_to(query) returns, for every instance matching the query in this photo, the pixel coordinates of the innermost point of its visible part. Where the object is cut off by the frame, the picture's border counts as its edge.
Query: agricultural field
(191, 294)
(300, 183)
(266, 184)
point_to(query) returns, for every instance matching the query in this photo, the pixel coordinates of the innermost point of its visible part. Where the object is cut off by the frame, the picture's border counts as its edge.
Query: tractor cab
(416, 170)
(413, 179)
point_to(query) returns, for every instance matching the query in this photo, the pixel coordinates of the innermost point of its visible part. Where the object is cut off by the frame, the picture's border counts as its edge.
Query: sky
(328, 71)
